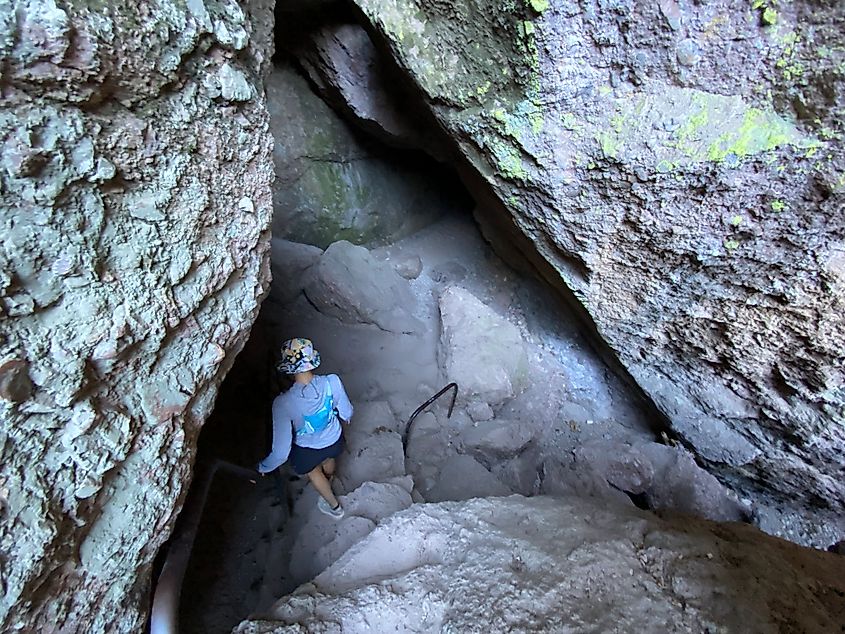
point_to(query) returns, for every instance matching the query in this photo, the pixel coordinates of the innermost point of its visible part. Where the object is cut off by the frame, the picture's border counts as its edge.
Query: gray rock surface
(329, 186)
(350, 74)
(680, 484)
(480, 350)
(498, 438)
(462, 477)
(624, 467)
(290, 262)
(377, 500)
(675, 169)
(666, 478)
(372, 457)
(554, 565)
(409, 267)
(135, 202)
(321, 541)
(350, 284)
(427, 448)
(479, 411)
(371, 416)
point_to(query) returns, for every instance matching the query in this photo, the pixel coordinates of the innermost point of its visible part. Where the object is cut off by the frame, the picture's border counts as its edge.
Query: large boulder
(354, 78)
(480, 350)
(135, 199)
(350, 284)
(558, 565)
(675, 170)
(329, 186)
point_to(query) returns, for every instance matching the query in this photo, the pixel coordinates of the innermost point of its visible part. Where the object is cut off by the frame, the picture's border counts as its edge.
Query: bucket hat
(298, 355)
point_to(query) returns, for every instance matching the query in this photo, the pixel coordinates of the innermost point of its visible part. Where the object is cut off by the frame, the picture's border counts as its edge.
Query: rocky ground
(520, 564)
(537, 411)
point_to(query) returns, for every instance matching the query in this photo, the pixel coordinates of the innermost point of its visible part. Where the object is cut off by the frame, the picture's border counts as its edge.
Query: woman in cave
(307, 422)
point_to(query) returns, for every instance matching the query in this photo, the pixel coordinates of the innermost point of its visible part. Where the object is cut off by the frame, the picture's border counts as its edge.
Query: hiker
(306, 422)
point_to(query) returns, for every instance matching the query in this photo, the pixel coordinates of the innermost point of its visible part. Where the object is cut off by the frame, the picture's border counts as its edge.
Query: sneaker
(324, 507)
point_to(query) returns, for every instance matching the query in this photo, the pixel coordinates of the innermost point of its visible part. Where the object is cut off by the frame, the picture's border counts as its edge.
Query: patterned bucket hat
(298, 355)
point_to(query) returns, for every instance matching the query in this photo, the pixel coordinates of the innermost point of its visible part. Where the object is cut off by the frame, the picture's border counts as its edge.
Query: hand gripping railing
(451, 386)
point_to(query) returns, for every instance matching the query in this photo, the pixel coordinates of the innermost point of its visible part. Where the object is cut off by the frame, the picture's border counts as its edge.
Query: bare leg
(328, 467)
(321, 483)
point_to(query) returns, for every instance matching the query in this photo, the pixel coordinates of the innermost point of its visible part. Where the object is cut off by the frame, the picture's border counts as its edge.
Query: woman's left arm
(341, 400)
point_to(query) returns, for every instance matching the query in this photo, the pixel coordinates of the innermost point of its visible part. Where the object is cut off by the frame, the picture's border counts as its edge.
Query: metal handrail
(426, 404)
(164, 615)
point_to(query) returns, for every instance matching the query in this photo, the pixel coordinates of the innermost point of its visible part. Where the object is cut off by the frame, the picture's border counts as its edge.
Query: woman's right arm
(282, 439)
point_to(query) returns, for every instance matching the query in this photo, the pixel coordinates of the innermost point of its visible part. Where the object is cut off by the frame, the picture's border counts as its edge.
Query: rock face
(678, 167)
(135, 202)
(461, 478)
(498, 439)
(480, 350)
(667, 478)
(518, 564)
(350, 284)
(351, 75)
(331, 187)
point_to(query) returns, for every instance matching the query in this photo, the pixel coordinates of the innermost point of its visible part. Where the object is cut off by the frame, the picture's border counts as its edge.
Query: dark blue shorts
(304, 460)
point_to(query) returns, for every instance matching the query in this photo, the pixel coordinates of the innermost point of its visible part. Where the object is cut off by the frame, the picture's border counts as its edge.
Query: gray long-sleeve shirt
(304, 400)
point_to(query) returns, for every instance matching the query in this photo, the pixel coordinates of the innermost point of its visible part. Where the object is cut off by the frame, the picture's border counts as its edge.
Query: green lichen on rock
(683, 126)
(407, 26)
(664, 166)
(760, 131)
(508, 161)
(788, 63)
(634, 169)
(520, 119)
(770, 16)
(570, 122)
(502, 35)
(768, 13)
(330, 187)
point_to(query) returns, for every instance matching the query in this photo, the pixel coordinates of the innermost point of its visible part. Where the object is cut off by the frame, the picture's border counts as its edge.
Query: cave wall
(332, 182)
(677, 168)
(135, 202)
